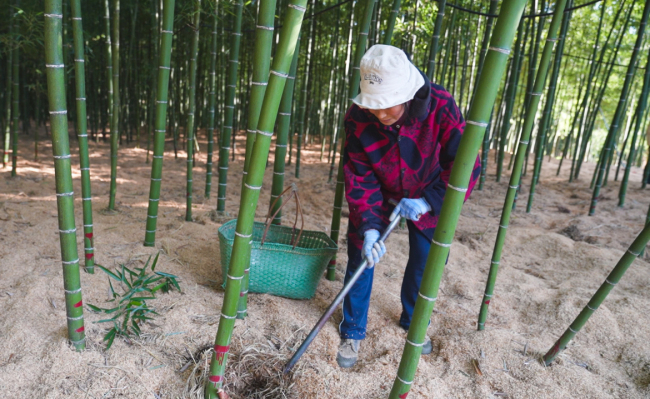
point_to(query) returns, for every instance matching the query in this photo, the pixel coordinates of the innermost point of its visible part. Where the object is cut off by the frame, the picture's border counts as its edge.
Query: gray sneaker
(427, 347)
(348, 353)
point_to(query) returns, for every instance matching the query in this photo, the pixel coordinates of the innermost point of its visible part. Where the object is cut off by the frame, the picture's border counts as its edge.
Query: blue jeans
(356, 303)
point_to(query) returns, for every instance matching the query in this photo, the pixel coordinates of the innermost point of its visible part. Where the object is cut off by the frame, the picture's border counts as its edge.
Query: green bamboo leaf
(131, 272)
(110, 273)
(178, 287)
(107, 320)
(119, 275)
(94, 308)
(113, 310)
(102, 310)
(155, 261)
(110, 342)
(126, 282)
(152, 279)
(166, 275)
(141, 308)
(113, 293)
(125, 322)
(124, 279)
(136, 329)
(110, 335)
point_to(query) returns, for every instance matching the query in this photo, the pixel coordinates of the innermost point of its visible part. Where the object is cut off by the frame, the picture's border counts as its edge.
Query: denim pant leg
(419, 245)
(356, 303)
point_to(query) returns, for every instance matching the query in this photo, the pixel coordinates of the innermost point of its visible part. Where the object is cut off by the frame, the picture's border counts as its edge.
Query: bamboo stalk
(227, 128)
(515, 177)
(353, 90)
(448, 29)
(640, 110)
(55, 71)
(601, 294)
(463, 76)
(532, 63)
(478, 117)
(153, 49)
(250, 195)
(82, 130)
(284, 122)
(390, 24)
(331, 92)
(520, 96)
(191, 121)
(546, 114)
(262, 62)
(628, 133)
(212, 99)
(511, 91)
(342, 101)
(373, 24)
(630, 121)
(486, 37)
(164, 60)
(300, 121)
(15, 97)
(115, 120)
(7, 138)
(486, 137)
(305, 84)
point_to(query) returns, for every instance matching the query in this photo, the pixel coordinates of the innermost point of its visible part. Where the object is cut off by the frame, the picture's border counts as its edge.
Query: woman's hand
(373, 249)
(411, 209)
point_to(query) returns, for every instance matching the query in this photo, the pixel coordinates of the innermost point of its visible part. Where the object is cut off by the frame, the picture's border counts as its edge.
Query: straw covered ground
(555, 258)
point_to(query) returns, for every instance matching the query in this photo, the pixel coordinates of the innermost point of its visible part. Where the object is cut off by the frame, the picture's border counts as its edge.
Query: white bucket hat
(388, 78)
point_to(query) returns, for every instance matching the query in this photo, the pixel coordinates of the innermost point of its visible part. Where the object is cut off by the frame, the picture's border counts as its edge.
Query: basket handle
(269, 218)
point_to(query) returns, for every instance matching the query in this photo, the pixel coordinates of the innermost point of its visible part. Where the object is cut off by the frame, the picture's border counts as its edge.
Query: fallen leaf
(476, 367)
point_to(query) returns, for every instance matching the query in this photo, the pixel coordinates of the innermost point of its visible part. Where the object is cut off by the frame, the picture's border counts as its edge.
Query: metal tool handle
(337, 301)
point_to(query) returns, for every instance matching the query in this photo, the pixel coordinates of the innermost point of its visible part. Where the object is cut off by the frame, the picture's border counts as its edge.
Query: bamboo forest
(226, 186)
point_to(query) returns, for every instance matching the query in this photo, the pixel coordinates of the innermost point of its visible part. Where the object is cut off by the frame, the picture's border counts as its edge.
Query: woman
(402, 136)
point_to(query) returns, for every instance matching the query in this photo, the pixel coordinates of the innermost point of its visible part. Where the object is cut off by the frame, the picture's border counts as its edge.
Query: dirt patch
(544, 281)
(573, 232)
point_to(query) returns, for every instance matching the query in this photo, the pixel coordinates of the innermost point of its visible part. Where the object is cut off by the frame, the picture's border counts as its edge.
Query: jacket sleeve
(452, 126)
(362, 188)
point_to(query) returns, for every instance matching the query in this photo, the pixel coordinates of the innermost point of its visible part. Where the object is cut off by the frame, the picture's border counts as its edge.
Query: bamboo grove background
(601, 35)
(161, 71)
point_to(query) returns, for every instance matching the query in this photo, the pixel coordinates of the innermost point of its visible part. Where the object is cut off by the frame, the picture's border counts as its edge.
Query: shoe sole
(345, 363)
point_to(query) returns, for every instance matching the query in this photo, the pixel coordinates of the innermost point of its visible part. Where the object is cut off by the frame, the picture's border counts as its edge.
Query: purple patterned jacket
(409, 159)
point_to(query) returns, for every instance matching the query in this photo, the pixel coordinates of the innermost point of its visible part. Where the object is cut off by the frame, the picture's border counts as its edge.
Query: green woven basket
(277, 267)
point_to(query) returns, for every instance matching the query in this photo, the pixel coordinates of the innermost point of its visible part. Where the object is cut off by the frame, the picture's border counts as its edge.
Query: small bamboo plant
(132, 309)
